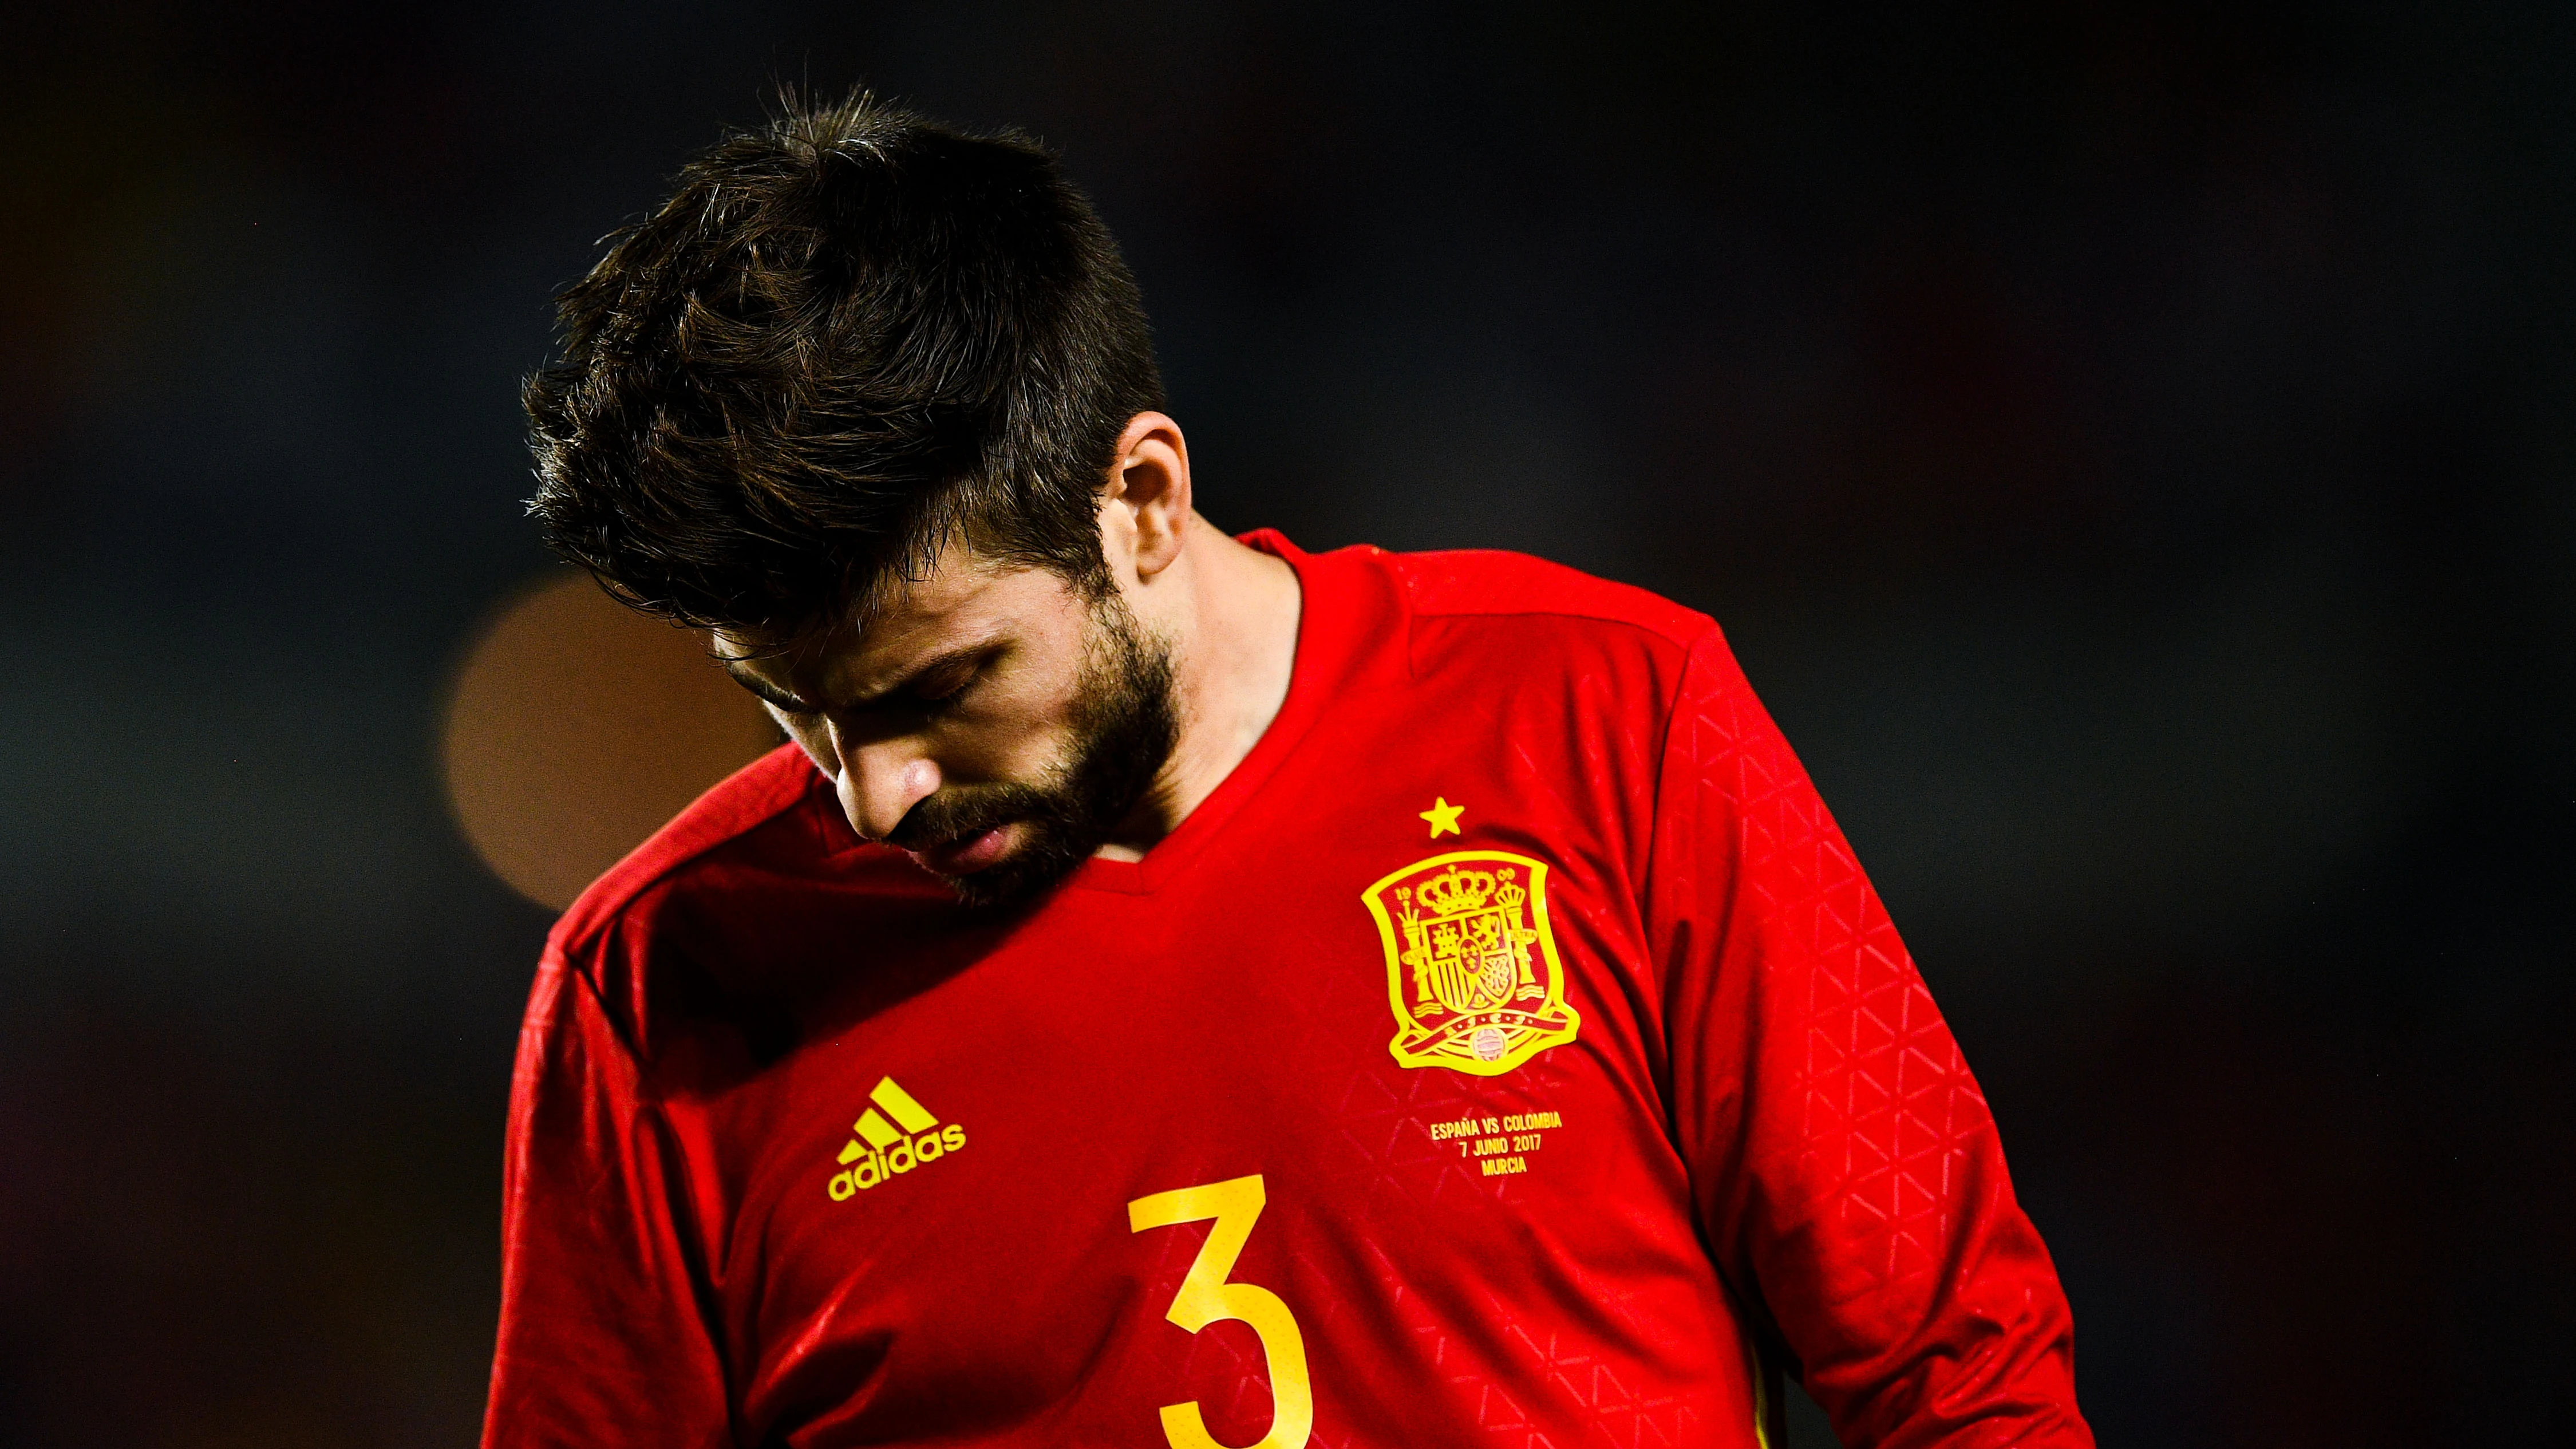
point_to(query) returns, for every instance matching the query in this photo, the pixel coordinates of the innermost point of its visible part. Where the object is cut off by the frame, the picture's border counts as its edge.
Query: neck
(1231, 618)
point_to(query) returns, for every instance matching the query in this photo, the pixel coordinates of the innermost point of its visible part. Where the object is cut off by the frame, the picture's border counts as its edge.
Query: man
(1180, 989)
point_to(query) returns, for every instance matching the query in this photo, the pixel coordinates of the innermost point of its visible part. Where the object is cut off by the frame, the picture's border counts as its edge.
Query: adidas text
(884, 1150)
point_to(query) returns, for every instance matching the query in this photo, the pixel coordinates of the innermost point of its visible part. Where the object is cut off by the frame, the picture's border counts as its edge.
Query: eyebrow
(794, 704)
(765, 691)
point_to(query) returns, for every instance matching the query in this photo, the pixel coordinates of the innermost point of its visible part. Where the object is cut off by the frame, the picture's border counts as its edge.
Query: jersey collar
(1331, 625)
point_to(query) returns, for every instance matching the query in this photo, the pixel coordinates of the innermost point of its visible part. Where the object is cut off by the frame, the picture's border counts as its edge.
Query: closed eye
(946, 689)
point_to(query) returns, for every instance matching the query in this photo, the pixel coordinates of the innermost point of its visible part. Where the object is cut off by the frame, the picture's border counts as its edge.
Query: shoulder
(1484, 611)
(761, 794)
(708, 935)
(1469, 584)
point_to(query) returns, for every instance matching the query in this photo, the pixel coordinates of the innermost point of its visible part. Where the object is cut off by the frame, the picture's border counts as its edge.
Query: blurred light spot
(577, 727)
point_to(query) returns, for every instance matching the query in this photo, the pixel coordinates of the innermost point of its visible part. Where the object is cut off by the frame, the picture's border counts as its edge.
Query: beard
(1126, 723)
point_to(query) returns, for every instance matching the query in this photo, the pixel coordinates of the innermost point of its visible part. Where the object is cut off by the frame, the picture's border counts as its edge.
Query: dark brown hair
(844, 340)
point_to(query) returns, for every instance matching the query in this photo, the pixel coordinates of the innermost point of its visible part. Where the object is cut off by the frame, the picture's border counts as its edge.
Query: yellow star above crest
(1443, 816)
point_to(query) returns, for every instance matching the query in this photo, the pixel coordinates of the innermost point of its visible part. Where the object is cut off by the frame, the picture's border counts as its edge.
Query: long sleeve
(1844, 1164)
(602, 1338)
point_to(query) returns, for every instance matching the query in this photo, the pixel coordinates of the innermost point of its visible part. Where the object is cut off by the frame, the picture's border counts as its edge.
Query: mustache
(966, 810)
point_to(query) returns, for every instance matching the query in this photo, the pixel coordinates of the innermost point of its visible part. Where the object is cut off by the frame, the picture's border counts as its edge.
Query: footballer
(1177, 988)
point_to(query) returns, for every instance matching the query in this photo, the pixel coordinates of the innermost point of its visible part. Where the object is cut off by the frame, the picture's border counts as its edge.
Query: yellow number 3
(1206, 1297)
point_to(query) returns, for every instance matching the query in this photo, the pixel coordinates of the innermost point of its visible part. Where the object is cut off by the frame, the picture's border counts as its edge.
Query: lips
(964, 855)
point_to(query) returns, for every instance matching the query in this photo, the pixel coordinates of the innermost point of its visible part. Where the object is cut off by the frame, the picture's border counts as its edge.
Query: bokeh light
(576, 727)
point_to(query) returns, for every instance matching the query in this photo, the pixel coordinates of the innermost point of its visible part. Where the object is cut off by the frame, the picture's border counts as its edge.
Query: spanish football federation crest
(1471, 968)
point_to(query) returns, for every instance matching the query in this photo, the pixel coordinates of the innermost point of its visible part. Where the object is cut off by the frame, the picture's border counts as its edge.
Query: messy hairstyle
(847, 339)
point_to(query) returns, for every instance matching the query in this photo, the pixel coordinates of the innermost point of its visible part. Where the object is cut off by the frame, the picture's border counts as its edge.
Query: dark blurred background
(2130, 449)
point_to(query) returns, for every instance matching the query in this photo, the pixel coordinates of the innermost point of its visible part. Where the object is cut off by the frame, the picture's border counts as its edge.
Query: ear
(1146, 504)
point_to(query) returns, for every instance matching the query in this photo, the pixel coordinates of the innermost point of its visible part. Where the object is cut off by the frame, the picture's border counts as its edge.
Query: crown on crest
(1458, 892)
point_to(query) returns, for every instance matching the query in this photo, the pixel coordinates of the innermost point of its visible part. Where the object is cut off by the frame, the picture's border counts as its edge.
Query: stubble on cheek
(1124, 725)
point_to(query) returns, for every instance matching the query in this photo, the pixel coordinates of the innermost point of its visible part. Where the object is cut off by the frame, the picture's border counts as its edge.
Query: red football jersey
(1509, 1050)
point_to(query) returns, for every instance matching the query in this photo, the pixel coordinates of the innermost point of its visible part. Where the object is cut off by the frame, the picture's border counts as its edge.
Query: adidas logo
(885, 1150)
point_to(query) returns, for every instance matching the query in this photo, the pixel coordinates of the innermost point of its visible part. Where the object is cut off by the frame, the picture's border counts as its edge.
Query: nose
(880, 781)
